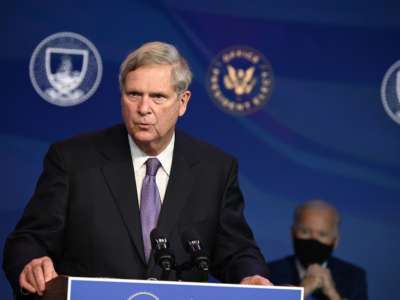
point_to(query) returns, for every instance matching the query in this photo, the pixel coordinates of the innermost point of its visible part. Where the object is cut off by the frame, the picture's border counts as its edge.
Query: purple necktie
(150, 203)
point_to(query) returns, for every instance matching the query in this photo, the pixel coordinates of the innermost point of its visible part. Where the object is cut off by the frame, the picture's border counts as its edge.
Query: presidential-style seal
(240, 80)
(65, 69)
(143, 296)
(390, 92)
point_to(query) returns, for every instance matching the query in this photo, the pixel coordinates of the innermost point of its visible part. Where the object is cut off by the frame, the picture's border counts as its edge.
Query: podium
(83, 288)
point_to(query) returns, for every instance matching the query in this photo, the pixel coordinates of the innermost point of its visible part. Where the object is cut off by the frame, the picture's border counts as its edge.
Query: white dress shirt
(139, 159)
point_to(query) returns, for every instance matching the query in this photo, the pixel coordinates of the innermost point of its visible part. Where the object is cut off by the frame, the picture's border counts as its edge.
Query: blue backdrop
(323, 133)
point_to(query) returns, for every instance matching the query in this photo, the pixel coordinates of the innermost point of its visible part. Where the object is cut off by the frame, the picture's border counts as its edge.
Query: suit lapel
(119, 176)
(121, 181)
(294, 273)
(177, 193)
(179, 185)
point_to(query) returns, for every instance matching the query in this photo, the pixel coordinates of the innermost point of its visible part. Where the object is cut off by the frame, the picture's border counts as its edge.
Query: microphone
(193, 246)
(163, 256)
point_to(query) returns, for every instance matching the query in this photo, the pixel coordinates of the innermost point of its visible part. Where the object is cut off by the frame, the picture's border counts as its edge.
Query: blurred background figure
(315, 234)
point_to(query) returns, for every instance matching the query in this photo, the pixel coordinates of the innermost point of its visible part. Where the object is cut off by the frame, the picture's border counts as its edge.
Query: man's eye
(304, 231)
(132, 94)
(159, 98)
(323, 234)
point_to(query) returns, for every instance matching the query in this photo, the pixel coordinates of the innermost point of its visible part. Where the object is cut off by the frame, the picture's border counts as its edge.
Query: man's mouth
(143, 125)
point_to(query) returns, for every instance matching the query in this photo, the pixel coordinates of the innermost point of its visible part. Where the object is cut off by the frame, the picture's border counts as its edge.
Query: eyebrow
(158, 94)
(133, 90)
(151, 94)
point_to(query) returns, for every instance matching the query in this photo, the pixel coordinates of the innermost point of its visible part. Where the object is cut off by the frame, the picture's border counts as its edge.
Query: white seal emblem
(390, 92)
(143, 296)
(239, 80)
(65, 69)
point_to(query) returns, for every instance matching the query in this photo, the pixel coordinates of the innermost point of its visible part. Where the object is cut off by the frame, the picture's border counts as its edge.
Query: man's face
(150, 107)
(317, 224)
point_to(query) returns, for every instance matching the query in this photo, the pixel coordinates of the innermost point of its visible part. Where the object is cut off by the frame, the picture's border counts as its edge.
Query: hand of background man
(36, 273)
(318, 277)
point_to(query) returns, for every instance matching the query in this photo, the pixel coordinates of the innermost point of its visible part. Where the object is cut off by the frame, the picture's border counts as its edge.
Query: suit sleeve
(236, 253)
(40, 230)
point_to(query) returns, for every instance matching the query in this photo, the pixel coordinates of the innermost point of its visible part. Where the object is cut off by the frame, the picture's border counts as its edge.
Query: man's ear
(183, 102)
(336, 242)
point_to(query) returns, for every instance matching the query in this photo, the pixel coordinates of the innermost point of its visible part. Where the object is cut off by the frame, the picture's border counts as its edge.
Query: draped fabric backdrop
(323, 132)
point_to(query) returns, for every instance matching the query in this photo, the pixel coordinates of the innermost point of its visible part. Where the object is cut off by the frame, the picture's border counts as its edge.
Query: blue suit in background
(349, 279)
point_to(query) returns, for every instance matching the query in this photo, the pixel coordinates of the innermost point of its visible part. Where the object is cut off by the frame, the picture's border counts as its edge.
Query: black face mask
(311, 251)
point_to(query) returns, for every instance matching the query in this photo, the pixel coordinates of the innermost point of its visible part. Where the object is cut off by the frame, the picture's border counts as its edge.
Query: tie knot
(152, 165)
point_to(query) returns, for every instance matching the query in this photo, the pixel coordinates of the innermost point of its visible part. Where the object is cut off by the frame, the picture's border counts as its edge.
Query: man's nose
(144, 105)
(315, 235)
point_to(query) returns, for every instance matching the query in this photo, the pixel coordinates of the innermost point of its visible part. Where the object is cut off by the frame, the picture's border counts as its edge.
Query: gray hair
(158, 53)
(316, 204)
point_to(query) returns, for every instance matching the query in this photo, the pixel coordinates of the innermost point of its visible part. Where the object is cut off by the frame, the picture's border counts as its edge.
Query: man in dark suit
(100, 194)
(315, 234)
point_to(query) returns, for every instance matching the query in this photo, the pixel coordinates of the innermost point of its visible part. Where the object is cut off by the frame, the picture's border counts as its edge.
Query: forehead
(317, 219)
(152, 77)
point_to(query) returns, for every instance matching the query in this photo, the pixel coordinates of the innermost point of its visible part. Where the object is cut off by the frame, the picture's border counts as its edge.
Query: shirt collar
(139, 157)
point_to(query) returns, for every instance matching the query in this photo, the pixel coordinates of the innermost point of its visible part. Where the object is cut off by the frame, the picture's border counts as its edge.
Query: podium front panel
(120, 289)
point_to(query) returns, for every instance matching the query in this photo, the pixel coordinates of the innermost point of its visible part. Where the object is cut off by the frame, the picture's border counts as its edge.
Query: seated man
(315, 234)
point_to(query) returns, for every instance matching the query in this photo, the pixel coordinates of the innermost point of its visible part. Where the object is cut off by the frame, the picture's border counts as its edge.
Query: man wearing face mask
(315, 234)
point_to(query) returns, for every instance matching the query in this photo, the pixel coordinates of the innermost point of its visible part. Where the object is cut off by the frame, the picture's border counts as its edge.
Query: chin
(143, 137)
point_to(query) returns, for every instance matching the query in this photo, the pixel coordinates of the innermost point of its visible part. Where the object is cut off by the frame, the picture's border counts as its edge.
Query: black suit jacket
(349, 279)
(84, 213)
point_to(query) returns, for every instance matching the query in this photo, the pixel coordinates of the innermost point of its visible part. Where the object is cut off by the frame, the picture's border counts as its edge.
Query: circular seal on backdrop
(143, 296)
(65, 69)
(240, 80)
(390, 92)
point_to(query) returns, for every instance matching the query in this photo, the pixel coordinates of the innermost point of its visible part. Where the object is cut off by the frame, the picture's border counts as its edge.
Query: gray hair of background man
(318, 205)
(158, 53)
